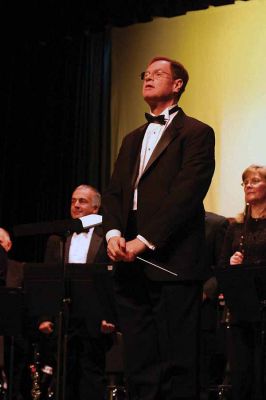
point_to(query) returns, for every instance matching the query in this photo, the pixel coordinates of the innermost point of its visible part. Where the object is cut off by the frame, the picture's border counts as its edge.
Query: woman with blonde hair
(245, 244)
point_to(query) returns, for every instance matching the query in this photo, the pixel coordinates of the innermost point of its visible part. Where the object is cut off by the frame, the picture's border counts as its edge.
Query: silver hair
(96, 197)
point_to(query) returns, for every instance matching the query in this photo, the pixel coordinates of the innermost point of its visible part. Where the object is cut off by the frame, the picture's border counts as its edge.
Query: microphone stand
(63, 317)
(63, 322)
(63, 228)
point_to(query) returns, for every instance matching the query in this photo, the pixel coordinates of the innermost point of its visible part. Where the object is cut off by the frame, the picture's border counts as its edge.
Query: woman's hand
(237, 258)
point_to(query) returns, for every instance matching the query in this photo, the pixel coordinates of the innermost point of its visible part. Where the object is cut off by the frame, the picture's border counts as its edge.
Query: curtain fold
(56, 132)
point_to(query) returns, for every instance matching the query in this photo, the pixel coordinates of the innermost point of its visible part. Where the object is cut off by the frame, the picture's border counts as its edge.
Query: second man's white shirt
(79, 247)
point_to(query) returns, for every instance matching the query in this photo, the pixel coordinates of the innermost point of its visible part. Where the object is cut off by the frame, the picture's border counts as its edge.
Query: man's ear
(178, 83)
(9, 245)
(95, 210)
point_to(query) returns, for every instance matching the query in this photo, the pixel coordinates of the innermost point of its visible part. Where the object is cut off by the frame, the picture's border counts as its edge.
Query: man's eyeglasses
(251, 182)
(154, 75)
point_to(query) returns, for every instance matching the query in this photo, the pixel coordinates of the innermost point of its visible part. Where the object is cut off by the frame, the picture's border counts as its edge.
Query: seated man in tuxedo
(88, 340)
(5, 246)
(11, 271)
(11, 275)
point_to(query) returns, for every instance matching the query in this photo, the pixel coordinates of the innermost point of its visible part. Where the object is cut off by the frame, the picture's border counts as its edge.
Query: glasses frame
(252, 182)
(157, 75)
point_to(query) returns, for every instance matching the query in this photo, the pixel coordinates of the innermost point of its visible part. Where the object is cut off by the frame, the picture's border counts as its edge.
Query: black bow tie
(159, 119)
(156, 119)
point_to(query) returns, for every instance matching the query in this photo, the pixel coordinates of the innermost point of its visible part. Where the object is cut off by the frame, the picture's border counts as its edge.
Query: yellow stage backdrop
(224, 50)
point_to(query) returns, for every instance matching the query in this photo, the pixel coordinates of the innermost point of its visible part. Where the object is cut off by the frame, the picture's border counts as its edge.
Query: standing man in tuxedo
(89, 339)
(153, 209)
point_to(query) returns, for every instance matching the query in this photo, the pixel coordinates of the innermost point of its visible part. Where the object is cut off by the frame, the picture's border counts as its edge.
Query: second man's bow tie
(156, 119)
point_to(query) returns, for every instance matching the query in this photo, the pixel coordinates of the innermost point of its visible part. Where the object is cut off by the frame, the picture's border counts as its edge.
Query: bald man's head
(5, 240)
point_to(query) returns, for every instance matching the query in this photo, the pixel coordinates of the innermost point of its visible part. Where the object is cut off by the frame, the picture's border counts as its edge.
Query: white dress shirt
(152, 136)
(79, 247)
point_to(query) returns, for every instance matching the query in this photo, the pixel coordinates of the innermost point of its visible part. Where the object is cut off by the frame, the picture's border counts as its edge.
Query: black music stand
(244, 290)
(43, 288)
(62, 228)
(11, 323)
(91, 291)
(87, 289)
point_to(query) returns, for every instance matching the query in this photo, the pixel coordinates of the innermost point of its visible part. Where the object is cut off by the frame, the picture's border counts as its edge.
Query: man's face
(5, 241)
(82, 204)
(159, 85)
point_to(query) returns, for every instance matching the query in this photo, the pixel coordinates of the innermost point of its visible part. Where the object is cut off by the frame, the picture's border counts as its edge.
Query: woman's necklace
(258, 215)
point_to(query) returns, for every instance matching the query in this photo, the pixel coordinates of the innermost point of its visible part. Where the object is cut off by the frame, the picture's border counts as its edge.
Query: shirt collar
(166, 112)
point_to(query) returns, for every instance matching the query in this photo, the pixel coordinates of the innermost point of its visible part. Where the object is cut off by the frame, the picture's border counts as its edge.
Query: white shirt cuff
(112, 233)
(148, 244)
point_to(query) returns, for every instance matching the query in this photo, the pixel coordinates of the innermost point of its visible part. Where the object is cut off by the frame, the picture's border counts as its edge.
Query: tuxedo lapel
(137, 146)
(96, 241)
(67, 247)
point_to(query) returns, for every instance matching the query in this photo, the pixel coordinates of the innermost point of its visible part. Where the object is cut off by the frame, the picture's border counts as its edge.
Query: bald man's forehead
(4, 234)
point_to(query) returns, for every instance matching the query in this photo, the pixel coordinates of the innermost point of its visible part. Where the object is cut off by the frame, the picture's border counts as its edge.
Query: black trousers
(247, 359)
(85, 369)
(160, 325)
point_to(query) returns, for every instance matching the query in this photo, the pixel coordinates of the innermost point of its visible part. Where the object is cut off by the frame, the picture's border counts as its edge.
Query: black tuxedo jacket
(96, 254)
(3, 265)
(170, 194)
(215, 229)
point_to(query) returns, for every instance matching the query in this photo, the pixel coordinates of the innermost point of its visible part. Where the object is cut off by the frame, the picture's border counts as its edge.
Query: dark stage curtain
(56, 129)
(127, 12)
(121, 13)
